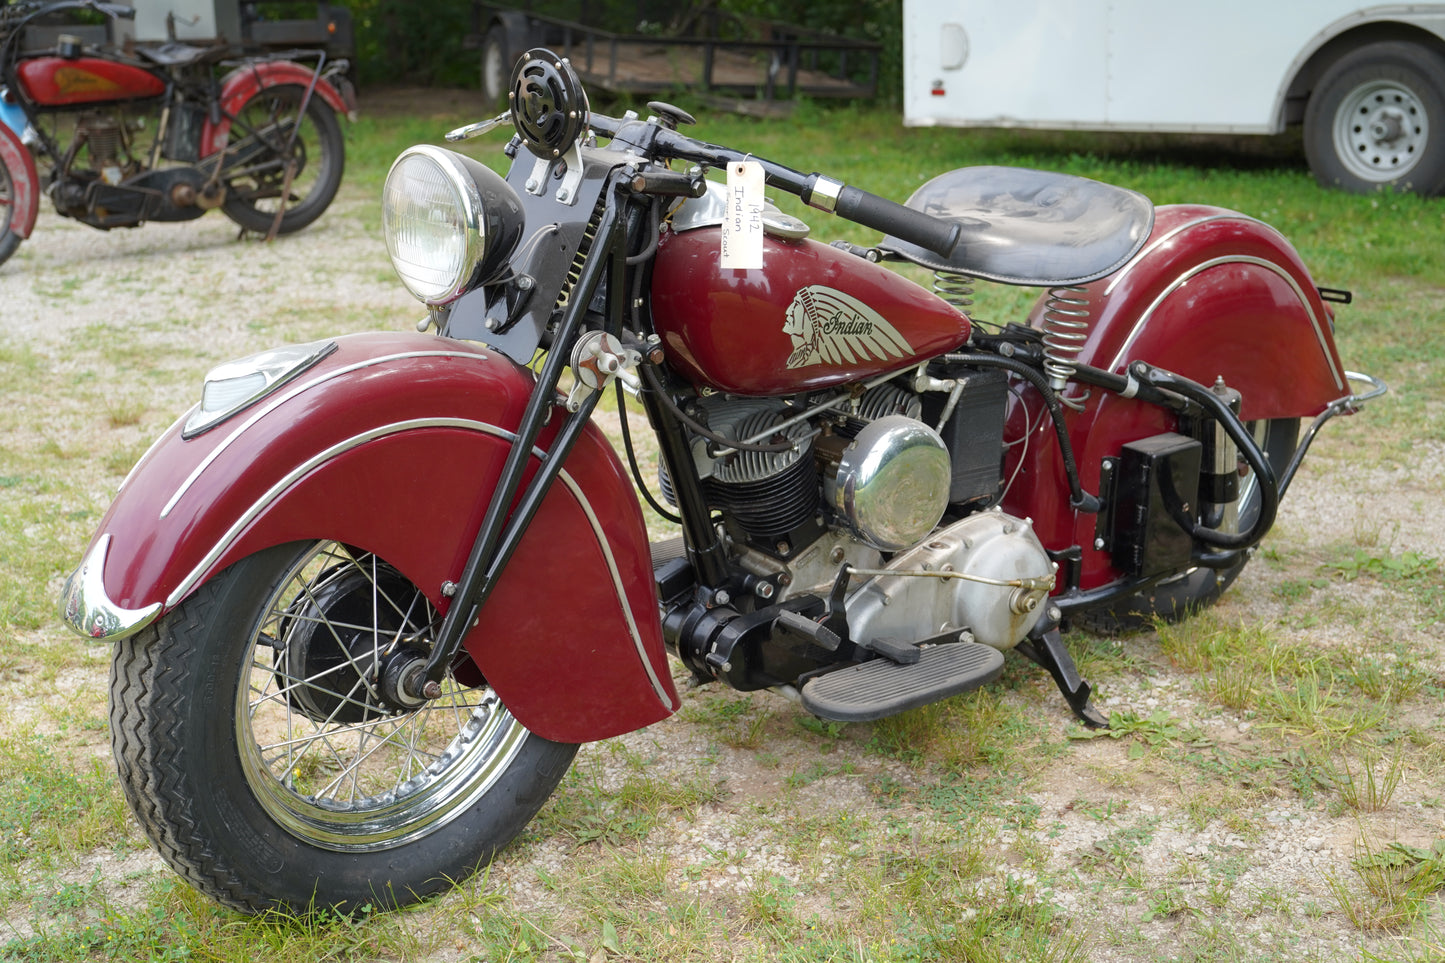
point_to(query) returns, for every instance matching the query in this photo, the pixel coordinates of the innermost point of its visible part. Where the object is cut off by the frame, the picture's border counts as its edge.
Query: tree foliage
(422, 41)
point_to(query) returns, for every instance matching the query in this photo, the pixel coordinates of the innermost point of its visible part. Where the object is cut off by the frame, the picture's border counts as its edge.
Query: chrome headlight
(450, 222)
(235, 385)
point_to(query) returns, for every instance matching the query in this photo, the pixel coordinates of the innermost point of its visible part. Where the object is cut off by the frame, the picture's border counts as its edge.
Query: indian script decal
(830, 327)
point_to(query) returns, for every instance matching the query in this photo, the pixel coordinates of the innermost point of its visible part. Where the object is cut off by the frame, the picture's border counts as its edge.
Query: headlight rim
(476, 238)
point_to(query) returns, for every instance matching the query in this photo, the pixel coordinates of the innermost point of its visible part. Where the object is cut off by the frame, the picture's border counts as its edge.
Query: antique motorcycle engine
(866, 488)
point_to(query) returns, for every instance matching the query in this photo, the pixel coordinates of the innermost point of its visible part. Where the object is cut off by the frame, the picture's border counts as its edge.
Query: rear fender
(391, 444)
(1212, 294)
(24, 180)
(243, 83)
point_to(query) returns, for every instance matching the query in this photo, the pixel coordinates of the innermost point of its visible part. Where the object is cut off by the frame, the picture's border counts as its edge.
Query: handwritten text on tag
(742, 228)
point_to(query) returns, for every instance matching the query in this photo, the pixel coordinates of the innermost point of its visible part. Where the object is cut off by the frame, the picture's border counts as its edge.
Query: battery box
(1156, 487)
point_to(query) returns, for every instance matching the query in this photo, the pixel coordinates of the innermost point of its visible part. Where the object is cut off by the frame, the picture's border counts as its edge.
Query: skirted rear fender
(392, 444)
(1213, 294)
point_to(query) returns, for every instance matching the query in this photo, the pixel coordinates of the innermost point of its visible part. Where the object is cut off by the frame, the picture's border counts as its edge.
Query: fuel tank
(812, 317)
(61, 82)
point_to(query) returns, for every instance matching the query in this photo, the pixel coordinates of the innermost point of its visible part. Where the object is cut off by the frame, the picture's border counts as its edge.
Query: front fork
(503, 526)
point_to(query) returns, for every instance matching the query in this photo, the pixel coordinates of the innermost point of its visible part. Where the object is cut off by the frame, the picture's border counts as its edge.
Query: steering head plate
(548, 105)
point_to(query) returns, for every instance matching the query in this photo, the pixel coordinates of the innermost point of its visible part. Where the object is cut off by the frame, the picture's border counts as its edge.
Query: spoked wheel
(1199, 588)
(278, 157)
(268, 748)
(9, 240)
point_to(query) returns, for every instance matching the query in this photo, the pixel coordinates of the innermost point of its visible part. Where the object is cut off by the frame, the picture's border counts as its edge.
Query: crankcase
(986, 574)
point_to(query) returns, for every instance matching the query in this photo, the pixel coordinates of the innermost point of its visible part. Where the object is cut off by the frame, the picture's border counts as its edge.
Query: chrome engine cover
(890, 484)
(989, 545)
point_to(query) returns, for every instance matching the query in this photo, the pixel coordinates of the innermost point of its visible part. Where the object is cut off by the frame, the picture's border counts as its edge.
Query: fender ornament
(89, 612)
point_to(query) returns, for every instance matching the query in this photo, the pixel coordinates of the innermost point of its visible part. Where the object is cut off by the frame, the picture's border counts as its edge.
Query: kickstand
(1048, 651)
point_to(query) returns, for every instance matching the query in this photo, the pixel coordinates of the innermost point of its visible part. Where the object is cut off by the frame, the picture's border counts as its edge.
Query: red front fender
(393, 444)
(24, 182)
(243, 83)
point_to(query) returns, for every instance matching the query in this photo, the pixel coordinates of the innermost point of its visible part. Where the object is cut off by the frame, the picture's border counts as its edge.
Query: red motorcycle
(121, 135)
(370, 593)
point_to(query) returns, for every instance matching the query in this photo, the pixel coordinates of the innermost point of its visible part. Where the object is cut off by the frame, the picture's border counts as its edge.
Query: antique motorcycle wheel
(300, 159)
(9, 240)
(263, 745)
(1198, 588)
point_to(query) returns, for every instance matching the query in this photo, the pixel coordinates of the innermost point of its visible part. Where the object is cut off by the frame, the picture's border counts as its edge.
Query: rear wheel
(9, 240)
(1199, 588)
(282, 161)
(266, 745)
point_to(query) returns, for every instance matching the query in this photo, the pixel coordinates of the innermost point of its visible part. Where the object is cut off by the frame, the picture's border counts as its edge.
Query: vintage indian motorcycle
(121, 135)
(370, 593)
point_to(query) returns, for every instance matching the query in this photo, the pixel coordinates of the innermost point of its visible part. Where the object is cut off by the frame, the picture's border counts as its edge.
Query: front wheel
(268, 749)
(1377, 118)
(281, 162)
(9, 240)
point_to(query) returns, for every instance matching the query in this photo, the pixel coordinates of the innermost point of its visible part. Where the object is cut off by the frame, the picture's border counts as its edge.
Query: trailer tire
(497, 61)
(1377, 119)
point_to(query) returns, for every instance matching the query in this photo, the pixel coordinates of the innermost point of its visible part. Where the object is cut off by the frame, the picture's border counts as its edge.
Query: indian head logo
(830, 327)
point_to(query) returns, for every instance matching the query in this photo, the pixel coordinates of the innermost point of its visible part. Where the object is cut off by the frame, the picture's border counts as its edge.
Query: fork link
(1066, 327)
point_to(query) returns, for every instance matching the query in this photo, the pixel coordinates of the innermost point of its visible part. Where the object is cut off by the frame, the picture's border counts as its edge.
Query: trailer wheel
(497, 63)
(1377, 118)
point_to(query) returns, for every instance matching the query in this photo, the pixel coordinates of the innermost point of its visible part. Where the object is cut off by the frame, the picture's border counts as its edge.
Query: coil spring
(1066, 327)
(955, 288)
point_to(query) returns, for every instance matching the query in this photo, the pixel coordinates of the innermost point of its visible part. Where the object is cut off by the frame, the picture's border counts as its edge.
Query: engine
(865, 480)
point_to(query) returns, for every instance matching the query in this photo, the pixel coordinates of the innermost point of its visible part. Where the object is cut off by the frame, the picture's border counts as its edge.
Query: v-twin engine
(869, 487)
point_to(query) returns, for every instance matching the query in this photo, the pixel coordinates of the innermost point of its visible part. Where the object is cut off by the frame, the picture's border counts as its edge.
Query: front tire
(261, 751)
(1376, 118)
(9, 240)
(285, 159)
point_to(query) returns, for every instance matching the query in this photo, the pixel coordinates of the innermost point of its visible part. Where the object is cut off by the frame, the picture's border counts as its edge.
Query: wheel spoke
(325, 748)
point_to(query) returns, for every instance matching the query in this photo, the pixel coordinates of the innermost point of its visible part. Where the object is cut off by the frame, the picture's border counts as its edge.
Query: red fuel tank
(812, 317)
(58, 82)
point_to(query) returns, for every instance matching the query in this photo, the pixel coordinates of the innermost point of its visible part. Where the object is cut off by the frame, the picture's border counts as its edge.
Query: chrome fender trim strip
(294, 389)
(1122, 358)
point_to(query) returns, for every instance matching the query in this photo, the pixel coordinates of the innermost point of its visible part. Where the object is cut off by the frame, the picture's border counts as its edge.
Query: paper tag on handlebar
(742, 227)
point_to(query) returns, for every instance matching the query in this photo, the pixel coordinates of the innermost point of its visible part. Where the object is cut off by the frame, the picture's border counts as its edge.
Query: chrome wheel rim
(390, 776)
(1380, 131)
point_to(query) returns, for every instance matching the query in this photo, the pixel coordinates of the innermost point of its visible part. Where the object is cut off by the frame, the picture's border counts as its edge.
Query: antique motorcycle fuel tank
(812, 317)
(62, 82)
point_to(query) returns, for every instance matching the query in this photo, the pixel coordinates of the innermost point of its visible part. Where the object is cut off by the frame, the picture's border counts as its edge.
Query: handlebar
(816, 190)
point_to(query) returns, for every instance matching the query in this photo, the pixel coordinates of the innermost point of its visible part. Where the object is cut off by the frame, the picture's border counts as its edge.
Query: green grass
(987, 827)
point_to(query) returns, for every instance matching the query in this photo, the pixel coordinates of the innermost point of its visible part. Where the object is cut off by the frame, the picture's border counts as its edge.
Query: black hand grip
(893, 218)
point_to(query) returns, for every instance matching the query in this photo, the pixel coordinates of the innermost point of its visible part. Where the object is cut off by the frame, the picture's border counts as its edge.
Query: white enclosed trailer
(1367, 82)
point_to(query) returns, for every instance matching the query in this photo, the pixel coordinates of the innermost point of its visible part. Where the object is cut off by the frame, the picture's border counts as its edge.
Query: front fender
(24, 182)
(246, 81)
(393, 443)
